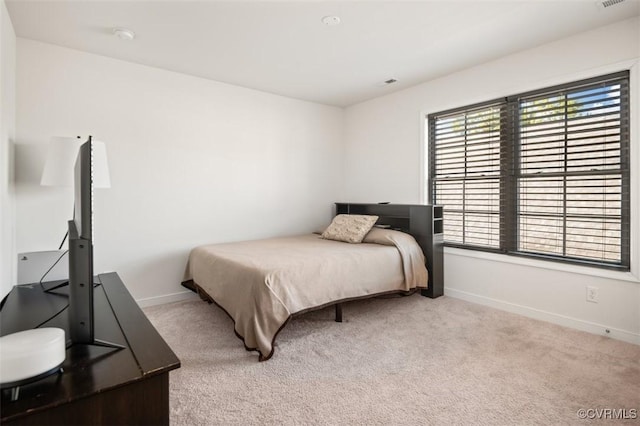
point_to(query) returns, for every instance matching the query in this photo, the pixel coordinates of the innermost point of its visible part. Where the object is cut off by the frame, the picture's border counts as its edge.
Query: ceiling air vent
(608, 3)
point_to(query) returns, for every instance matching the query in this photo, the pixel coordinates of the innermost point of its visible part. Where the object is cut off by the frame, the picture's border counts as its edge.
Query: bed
(262, 284)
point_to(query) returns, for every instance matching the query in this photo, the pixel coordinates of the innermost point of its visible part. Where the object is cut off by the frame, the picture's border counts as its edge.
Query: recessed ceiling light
(124, 33)
(331, 21)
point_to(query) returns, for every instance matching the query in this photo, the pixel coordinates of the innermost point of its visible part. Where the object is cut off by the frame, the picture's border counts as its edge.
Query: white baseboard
(563, 320)
(166, 298)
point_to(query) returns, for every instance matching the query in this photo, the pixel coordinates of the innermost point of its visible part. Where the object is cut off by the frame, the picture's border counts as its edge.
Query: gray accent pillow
(350, 228)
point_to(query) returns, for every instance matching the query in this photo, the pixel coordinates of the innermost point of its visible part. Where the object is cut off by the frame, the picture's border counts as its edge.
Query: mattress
(262, 283)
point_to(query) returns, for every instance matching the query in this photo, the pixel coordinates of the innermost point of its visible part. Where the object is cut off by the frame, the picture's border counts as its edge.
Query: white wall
(192, 161)
(384, 141)
(195, 161)
(7, 128)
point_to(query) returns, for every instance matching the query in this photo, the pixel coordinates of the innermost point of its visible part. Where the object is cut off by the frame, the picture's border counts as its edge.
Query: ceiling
(284, 48)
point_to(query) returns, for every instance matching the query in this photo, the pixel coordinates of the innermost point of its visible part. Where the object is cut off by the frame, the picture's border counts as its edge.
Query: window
(542, 174)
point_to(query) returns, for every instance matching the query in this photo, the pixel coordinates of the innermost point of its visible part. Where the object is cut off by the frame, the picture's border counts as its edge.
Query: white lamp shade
(101, 177)
(61, 159)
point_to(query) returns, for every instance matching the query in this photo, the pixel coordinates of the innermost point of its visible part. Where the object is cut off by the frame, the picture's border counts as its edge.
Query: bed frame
(422, 221)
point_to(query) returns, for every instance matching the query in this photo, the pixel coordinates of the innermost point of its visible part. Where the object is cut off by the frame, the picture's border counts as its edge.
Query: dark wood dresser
(99, 386)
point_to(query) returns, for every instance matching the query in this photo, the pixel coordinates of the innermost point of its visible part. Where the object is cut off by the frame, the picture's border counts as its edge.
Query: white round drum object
(30, 353)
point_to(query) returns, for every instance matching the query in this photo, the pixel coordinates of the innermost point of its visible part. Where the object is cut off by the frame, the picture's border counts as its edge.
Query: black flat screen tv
(81, 279)
(81, 320)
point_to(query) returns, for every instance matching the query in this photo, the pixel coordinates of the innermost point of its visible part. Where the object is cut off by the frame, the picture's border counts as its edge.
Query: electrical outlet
(592, 294)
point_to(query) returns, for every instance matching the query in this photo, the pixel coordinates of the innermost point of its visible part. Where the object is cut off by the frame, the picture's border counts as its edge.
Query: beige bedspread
(262, 283)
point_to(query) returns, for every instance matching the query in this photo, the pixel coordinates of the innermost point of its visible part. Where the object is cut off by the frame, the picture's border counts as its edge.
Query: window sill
(534, 263)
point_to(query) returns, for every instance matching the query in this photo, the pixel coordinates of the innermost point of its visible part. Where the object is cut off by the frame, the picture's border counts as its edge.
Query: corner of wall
(7, 131)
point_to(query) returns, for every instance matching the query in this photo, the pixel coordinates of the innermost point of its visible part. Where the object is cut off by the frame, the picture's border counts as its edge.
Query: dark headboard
(422, 221)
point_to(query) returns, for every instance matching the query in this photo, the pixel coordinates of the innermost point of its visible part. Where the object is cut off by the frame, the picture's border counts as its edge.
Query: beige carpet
(406, 361)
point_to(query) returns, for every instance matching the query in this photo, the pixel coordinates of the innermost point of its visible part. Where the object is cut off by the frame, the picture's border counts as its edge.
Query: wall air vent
(608, 3)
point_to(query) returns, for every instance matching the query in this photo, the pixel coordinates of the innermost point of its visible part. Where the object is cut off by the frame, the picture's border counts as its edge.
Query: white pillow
(350, 228)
